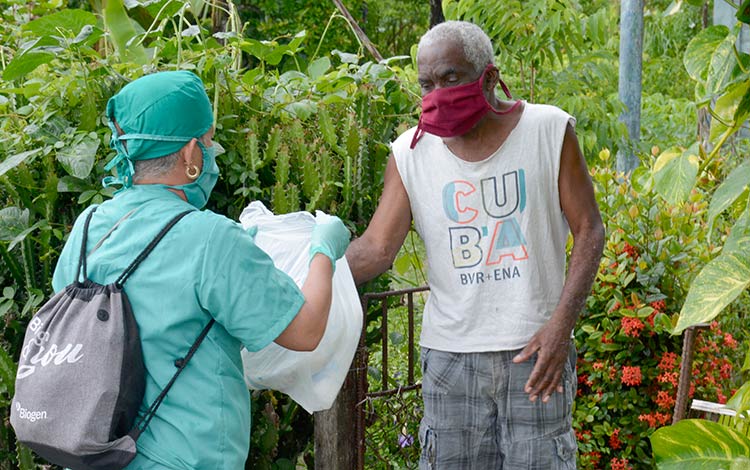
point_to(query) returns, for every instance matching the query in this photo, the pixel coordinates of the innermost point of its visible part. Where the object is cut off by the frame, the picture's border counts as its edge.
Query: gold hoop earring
(192, 172)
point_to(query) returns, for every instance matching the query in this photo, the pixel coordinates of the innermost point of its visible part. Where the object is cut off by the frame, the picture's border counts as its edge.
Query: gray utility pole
(724, 13)
(631, 58)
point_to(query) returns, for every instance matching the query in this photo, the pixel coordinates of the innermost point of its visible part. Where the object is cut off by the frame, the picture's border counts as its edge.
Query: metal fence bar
(410, 304)
(362, 395)
(384, 338)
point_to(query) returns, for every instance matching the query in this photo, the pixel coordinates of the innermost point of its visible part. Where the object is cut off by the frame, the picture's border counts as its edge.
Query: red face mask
(452, 111)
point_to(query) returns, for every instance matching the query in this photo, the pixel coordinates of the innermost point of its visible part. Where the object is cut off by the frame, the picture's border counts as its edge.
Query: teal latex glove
(329, 237)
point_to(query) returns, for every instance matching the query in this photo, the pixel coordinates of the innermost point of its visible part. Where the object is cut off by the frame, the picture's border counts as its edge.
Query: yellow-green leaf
(715, 287)
(122, 32)
(694, 444)
(700, 49)
(674, 176)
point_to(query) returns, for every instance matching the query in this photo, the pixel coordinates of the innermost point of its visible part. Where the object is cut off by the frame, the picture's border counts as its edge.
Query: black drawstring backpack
(81, 377)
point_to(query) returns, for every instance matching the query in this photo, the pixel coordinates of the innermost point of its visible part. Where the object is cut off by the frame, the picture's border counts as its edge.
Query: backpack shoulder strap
(146, 251)
(84, 241)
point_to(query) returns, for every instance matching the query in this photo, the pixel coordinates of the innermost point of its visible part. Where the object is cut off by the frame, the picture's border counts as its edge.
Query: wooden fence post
(335, 446)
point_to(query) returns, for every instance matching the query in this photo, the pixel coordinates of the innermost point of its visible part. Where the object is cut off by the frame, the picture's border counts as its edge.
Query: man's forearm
(366, 261)
(582, 269)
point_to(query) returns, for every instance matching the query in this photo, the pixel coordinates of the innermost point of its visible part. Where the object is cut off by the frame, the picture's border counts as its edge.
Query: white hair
(154, 167)
(476, 44)
(160, 166)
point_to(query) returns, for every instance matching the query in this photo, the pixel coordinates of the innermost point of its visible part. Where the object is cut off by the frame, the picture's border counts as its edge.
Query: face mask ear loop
(505, 89)
(417, 134)
(507, 93)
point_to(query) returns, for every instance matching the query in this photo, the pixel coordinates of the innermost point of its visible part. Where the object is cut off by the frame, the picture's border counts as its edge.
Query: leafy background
(306, 116)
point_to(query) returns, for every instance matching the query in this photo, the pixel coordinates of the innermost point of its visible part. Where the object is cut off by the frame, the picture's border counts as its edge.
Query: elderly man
(493, 187)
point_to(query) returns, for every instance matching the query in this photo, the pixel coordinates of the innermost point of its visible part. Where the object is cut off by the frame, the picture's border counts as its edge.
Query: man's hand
(551, 343)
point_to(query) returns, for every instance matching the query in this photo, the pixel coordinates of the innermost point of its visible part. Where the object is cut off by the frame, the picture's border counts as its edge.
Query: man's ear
(491, 80)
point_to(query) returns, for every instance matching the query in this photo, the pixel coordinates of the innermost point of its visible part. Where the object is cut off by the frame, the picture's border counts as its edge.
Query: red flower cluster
(669, 377)
(664, 399)
(593, 458)
(583, 436)
(654, 419)
(614, 439)
(619, 464)
(668, 361)
(659, 305)
(730, 341)
(632, 326)
(631, 375)
(630, 250)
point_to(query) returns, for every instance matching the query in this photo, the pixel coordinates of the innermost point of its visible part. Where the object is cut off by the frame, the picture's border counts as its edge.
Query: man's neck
(487, 136)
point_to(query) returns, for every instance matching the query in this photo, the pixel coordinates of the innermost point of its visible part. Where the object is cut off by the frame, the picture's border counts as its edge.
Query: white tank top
(494, 233)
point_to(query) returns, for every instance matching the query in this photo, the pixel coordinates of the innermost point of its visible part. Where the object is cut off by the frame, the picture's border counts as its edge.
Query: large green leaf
(730, 109)
(715, 287)
(318, 67)
(740, 401)
(15, 160)
(723, 63)
(122, 31)
(25, 63)
(25, 458)
(695, 444)
(739, 238)
(675, 173)
(701, 48)
(734, 186)
(69, 21)
(12, 222)
(78, 159)
(743, 12)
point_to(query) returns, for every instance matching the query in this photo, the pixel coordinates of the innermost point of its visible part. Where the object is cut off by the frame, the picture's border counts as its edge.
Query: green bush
(311, 135)
(628, 363)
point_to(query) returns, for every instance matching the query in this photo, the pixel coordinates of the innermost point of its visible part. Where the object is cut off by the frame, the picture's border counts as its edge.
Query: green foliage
(698, 444)
(521, 40)
(570, 59)
(628, 363)
(269, 104)
(280, 430)
(392, 26)
(720, 74)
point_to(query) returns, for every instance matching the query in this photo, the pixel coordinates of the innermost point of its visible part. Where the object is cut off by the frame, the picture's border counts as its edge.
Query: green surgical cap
(158, 115)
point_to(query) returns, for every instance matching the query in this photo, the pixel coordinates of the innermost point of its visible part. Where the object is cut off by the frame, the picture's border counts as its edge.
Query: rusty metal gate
(387, 417)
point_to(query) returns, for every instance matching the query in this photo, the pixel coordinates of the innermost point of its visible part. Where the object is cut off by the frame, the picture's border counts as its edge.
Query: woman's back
(206, 266)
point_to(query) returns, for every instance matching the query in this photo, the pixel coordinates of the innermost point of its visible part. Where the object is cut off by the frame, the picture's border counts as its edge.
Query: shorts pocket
(566, 447)
(428, 443)
(440, 370)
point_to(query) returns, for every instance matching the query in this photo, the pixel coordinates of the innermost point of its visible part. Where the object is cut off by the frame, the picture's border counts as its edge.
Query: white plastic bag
(313, 379)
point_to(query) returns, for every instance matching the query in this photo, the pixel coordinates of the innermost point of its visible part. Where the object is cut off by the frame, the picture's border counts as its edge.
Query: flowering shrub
(628, 363)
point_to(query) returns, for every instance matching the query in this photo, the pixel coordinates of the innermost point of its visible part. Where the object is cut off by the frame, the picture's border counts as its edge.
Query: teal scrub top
(206, 267)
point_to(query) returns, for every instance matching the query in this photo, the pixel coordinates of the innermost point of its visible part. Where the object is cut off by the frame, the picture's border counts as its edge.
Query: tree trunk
(631, 62)
(436, 12)
(335, 437)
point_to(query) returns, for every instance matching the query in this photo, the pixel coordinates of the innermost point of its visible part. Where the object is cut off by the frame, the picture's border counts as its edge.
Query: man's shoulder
(546, 111)
(549, 116)
(402, 144)
(403, 141)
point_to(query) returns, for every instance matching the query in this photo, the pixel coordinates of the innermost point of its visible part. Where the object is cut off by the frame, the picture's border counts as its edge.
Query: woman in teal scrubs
(206, 267)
